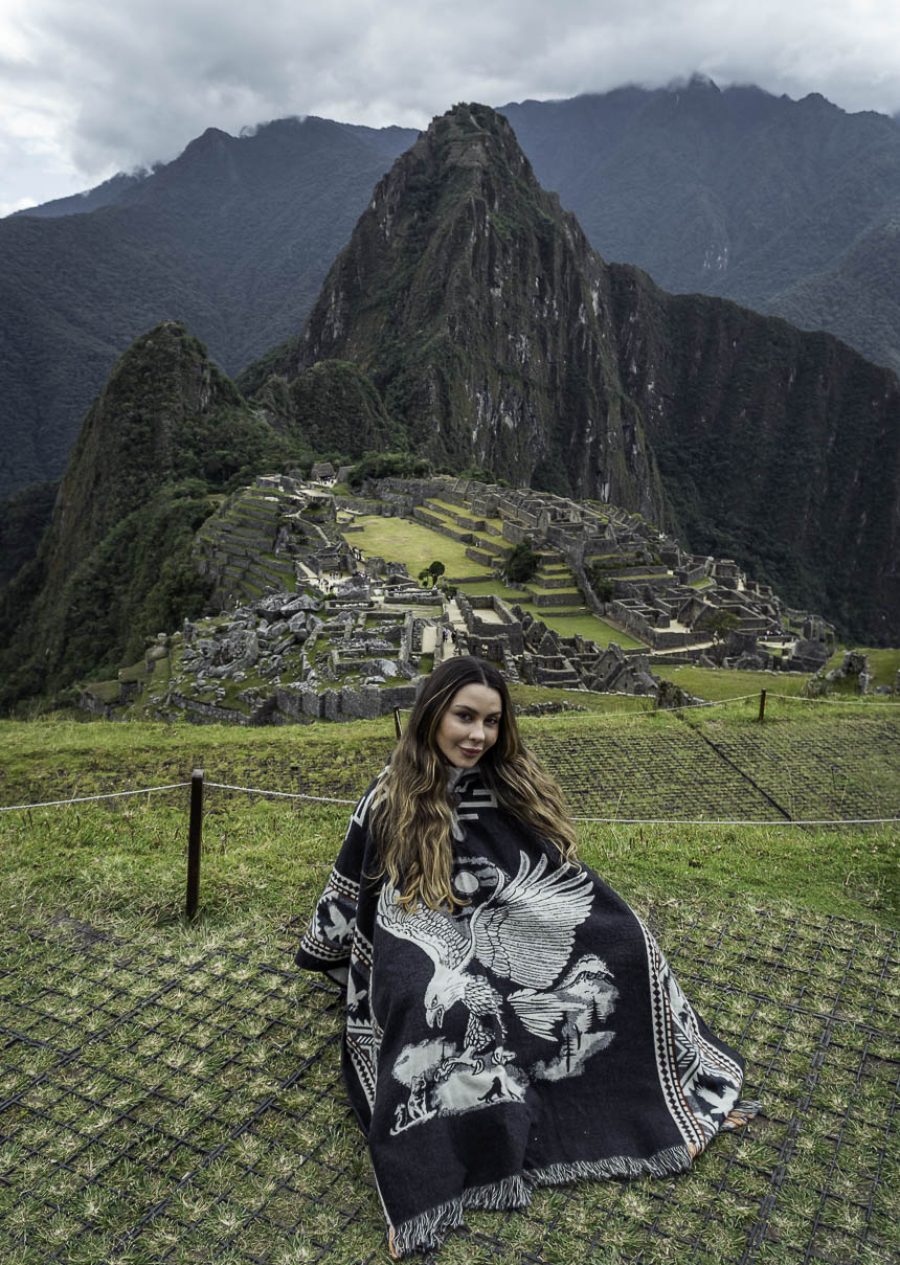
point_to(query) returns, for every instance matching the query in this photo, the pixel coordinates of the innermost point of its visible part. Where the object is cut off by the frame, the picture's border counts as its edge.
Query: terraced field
(417, 546)
(717, 683)
(400, 540)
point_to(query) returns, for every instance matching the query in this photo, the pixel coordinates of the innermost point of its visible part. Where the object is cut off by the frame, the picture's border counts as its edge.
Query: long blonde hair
(411, 813)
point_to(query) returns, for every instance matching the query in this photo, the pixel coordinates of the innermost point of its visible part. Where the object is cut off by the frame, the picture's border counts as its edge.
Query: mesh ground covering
(689, 765)
(702, 767)
(813, 763)
(181, 1103)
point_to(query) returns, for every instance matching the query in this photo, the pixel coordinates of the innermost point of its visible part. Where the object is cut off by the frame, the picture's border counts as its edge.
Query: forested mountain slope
(791, 207)
(167, 434)
(234, 238)
(788, 207)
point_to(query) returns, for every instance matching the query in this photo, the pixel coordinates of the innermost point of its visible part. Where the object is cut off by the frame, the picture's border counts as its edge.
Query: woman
(510, 1023)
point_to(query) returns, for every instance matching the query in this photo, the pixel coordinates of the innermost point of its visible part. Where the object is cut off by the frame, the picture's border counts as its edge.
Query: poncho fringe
(429, 1229)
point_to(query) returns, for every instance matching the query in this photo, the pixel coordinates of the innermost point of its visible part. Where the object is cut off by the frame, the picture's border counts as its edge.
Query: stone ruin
(295, 658)
(686, 607)
(576, 663)
(853, 671)
(308, 628)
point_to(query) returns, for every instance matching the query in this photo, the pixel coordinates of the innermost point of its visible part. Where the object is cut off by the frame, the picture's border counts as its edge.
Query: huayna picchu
(469, 325)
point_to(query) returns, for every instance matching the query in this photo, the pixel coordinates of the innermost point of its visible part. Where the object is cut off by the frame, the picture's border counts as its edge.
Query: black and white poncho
(534, 1037)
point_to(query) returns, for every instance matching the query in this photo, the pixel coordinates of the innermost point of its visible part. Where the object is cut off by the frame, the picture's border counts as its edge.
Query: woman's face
(470, 725)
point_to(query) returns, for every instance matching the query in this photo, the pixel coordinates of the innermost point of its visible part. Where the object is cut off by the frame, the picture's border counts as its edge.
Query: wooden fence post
(762, 706)
(195, 834)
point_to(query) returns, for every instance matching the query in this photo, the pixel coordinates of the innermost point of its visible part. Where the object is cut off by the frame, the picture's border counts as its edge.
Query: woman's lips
(470, 751)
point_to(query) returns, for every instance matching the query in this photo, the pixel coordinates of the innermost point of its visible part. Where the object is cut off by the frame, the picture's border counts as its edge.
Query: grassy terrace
(884, 664)
(580, 622)
(171, 1091)
(446, 510)
(399, 539)
(717, 683)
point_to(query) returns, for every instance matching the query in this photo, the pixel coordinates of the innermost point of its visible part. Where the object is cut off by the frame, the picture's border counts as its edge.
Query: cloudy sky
(91, 87)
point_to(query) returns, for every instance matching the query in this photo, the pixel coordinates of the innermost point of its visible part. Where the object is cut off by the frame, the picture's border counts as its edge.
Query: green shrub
(522, 564)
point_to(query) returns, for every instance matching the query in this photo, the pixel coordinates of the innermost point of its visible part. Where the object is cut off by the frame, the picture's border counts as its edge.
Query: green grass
(883, 664)
(105, 691)
(490, 586)
(484, 540)
(565, 620)
(125, 865)
(574, 595)
(611, 765)
(446, 509)
(586, 700)
(720, 683)
(202, 1031)
(191, 1033)
(400, 540)
(587, 625)
(138, 671)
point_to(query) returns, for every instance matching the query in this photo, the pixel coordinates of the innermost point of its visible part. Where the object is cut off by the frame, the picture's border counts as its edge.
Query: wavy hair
(412, 814)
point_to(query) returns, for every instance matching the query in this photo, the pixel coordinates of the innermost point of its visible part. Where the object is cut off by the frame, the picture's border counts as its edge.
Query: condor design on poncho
(535, 1036)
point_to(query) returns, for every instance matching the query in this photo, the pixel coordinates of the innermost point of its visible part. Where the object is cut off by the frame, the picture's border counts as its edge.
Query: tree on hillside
(431, 574)
(601, 582)
(722, 623)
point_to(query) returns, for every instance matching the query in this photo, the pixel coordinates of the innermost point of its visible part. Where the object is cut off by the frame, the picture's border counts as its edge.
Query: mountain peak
(131, 436)
(472, 135)
(211, 136)
(480, 312)
(697, 83)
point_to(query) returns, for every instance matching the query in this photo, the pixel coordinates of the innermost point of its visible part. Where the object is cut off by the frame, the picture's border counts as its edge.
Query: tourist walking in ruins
(510, 1021)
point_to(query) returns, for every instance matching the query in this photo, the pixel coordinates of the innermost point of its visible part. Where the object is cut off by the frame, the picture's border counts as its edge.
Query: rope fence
(198, 784)
(652, 709)
(256, 790)
(268, 793)
(739, 821)
(770, 694)
(835, 702)
(85, 799)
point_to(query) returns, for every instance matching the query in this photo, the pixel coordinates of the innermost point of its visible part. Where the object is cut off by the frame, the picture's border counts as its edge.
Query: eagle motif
(524, 932)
